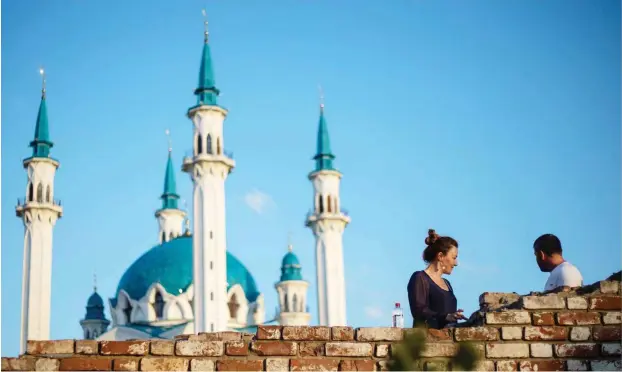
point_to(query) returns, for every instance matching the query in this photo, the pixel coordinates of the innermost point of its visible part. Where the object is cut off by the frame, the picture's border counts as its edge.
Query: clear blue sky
(491, 121)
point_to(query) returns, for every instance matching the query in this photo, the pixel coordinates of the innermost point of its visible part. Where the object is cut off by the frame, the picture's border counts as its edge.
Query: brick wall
(569, 331)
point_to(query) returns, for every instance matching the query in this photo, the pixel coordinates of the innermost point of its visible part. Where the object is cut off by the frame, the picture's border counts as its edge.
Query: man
(564, 275)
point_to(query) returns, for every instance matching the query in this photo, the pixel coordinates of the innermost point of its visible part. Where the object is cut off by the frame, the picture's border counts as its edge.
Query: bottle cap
(397, 304)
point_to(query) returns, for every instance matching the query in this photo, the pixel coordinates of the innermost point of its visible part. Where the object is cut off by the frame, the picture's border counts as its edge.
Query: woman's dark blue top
(430, 303)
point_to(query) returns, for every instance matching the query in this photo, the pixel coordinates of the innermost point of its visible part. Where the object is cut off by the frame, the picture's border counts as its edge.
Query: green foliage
(407, 355)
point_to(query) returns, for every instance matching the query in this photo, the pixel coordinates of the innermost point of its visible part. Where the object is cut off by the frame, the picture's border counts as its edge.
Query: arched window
(302, 304)
(209, 144)
(31, 192)
(233, 306)
(163, 236)
(336, 205)
(87, 335)
(127, 311)
(295, 303)
(40, 193)
(170, 236)
(158, 306)
(329, 204)
(285, 304)
(218, 148)
(48, 193)
(321, 200)
(199, 144)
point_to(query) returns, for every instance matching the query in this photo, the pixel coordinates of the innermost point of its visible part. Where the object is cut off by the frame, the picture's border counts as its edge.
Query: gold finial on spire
(170, 142)
(321, 97)
(42, 73)
(205, 24)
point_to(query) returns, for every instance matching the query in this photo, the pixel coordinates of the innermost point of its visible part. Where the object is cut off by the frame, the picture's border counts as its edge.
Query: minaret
(328, 221)
(94, 323)
(39, 211)
(170, 217)
(292, 292)
(208, 167)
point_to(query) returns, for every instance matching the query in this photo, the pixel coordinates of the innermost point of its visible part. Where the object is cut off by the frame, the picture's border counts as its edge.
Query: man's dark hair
(549, 244)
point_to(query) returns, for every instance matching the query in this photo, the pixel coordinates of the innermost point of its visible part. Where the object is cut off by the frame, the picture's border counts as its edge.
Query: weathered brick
(274, 348)
(236, 348)
(508, 317)
(494, 300)
(578, 318)
(87, 347)
(577, 365)
(349, 349)
(512, 333)
(382, 351)
(306, 333)
(277, 365)
(269, 332)
(342, 333)
(199, 348)
(439, 350)
(606, 365)
(578, 350)
(543, 319)
(125, 364)
(436, 365)
(577, 303)
(542, 365)
(163, 347)
(606, 333)
(545, 333)
(541, 350)
(217, 336)
(507, 350)
(202, 364)
(476, 334)
(435, 335)
(383, 365)
(605, 302)
(85, 364)
(611, 349)
(239, 365)
(313, 365)
(163, 364)
(18, 364)
(612, 318)
(543, 302)
(379, 334)
(609, 286)
(49, 347)
(485, 365)
(310, 349)
(124, 347)
(580, 333)
(507, 365)
(357, 365)
(47, 364)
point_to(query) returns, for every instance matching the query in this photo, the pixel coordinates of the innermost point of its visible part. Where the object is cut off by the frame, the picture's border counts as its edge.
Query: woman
(432, 300)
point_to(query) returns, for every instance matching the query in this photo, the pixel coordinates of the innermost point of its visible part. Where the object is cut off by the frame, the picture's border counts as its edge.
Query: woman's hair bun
(432, 237)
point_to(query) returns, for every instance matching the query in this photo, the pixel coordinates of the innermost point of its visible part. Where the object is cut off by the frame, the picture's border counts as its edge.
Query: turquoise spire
(206, 91)
(324, 157)
(170, 196)
(290, 266)
(41, 145)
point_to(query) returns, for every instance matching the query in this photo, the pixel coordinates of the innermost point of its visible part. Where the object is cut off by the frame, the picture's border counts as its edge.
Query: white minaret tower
(292, 292)
(209, 167)
(170, 217)
(39, 211)
(328, 221)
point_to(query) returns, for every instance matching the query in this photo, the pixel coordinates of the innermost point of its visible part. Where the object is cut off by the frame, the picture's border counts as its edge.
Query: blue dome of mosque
(95, 307)
(290, 267)
(95, 300)
(170, 264)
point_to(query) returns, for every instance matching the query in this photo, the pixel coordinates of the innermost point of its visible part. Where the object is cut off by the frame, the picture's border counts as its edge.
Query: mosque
(189, 282)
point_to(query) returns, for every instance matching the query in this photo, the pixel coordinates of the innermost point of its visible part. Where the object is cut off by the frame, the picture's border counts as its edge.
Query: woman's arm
(418, 292)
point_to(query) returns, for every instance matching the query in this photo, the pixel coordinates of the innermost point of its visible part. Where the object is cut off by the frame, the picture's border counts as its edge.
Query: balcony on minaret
(25, 204)
(315, 215)
(225, 157)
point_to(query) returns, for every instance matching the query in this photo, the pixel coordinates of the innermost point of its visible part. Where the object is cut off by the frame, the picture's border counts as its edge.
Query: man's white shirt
(564, 275)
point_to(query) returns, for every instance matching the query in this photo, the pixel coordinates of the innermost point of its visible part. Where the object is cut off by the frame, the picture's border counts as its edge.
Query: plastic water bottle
(398, 316)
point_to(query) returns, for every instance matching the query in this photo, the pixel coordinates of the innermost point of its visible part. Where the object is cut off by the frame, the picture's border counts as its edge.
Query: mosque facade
(189, 282)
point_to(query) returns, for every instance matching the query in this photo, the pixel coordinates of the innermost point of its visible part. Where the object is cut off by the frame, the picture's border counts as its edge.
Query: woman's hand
(454, 317)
